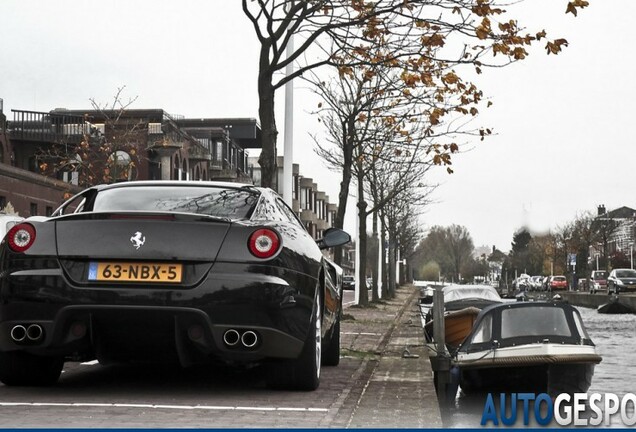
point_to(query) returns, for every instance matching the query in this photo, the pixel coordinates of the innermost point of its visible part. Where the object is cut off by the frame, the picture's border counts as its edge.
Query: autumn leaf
(450, 78)
(574, 4)
(555, 47)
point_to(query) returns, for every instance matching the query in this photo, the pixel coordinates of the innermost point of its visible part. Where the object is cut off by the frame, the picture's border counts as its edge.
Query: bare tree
(341, 32)
(111, 147)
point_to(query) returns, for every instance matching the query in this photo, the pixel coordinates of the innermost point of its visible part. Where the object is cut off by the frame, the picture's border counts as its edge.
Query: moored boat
(462, 305)
(539, 347)
(615, 306)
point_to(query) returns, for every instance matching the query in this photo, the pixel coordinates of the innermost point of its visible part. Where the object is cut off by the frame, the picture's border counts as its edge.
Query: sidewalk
(394, 383)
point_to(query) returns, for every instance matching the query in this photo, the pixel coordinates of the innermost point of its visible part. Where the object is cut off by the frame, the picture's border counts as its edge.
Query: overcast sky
(563, 123)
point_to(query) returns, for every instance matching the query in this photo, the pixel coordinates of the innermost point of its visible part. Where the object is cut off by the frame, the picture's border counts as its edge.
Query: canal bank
(393, 386)
(593, 301)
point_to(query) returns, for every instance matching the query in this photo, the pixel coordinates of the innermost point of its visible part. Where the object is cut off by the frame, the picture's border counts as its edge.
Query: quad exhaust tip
(231, 337)
(247, 339)
(26, 332)
(34, 332)
(18, 333)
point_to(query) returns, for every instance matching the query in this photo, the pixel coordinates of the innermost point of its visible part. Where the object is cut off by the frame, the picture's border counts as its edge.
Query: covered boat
(462, 304)
(615, 306)
(539, 347)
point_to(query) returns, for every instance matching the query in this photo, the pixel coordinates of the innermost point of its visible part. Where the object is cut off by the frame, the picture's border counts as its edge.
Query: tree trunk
(269, 133)
(374, 268)
(392, 258)
(384, 252)
(362, 238)
(343, 195)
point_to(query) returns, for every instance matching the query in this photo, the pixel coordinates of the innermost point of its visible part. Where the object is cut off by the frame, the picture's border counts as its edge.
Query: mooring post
(442, 364)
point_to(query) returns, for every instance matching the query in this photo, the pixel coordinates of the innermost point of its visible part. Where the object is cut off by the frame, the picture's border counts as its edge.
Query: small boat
(462, 304)
(614, 306)
(539, 347)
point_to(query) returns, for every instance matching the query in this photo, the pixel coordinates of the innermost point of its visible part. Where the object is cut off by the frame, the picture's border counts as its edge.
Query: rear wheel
(18, 368)
(302, 373)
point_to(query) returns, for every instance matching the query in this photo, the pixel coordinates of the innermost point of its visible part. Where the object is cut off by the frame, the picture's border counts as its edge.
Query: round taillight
(264, 243)
(21, 237)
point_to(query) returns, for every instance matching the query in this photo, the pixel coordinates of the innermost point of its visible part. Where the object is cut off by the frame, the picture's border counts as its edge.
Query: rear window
(559, 279)
(626, 273)
(599, 275)
(212, 201)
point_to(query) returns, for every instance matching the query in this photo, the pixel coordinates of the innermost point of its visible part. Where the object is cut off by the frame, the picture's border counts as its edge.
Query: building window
(34, 209)
(305, 199)
(3, 202)
(121, 165)
(49, 211)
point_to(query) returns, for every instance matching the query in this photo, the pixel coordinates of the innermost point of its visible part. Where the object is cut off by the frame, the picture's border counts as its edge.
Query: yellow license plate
(135, 272)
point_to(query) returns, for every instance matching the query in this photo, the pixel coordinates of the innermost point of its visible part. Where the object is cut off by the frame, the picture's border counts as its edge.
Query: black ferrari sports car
(184, 272)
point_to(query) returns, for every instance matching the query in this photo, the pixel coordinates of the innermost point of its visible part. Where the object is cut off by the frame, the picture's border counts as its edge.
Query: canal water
(615, 342)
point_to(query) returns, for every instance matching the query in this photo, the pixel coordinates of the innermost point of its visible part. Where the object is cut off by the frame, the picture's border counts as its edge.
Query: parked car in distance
(598, 281)
(184, 272)
(348, 282)
(522, 283)
(545, 283)
(558, 283)
(620, 280)
(535, 283)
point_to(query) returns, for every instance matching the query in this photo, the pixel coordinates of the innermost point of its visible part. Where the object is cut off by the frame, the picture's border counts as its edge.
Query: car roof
(177, 183)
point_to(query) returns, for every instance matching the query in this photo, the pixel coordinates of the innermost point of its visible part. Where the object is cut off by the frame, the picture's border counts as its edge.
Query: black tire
(302, 373)
(331, 355)
(18, 368)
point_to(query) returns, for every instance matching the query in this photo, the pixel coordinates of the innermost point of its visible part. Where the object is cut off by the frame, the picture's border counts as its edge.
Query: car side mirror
(333, 237)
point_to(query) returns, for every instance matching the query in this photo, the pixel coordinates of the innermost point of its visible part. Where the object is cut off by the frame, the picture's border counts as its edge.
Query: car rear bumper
(267, 310)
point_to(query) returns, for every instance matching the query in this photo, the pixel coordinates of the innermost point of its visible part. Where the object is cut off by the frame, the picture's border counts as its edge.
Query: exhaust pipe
(231, 337)
(34, 332)
(249, 339)
(18, 333)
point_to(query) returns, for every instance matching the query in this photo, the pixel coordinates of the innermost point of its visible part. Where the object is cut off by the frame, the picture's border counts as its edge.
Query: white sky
(563, 123)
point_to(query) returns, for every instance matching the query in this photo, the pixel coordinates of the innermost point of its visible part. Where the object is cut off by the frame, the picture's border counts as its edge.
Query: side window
(289, 214)
(267, 210)
(484, 331)
(74, 206)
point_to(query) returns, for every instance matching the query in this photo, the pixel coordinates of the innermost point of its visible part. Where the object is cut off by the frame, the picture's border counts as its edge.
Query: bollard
(441, 364)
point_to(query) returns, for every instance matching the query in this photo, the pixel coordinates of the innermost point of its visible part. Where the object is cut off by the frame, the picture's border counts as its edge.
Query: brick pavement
(394, 383)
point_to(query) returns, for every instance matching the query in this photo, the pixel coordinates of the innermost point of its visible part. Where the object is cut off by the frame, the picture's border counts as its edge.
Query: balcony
(47, 127)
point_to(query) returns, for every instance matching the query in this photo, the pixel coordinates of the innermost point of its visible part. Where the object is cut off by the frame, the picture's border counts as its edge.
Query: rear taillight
(263, 243)
(21, 237)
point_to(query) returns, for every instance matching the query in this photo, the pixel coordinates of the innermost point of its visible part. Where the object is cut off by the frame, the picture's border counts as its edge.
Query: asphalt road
(375, 385)
(95, 396)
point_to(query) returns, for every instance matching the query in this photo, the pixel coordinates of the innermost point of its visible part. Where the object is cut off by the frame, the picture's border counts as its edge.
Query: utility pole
(288, 149)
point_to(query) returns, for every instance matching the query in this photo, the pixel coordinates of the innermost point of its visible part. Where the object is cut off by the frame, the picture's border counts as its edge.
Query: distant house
(165, 147)
(160, 146)
(620, 234)
(623, 236)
